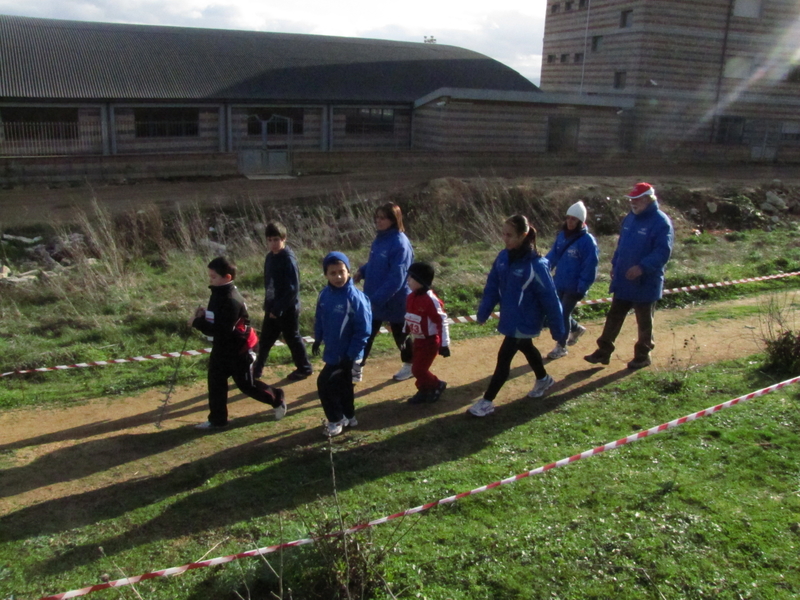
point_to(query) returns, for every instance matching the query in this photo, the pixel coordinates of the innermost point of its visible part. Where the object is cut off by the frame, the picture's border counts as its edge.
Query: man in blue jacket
(637, 275)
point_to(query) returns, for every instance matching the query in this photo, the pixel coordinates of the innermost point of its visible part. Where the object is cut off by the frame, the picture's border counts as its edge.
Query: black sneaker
(298, 375)
(437, 393)
(419, 398)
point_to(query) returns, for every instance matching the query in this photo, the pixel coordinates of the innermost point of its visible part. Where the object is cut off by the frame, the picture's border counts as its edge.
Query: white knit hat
(577, 210)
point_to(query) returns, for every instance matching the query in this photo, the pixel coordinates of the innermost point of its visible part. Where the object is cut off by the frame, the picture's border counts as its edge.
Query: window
(581, 3)
(750, 9)
(793, 76)
(790, 131)
(619, 79)
(625, 18)
(738, 67)
(278, 126)
(551, 58)
(597, 43)
(730, 130)
(39, 123)
(578, 57)
(166, 122)
(555, 8)
(567, 5)
(564, 58)
(368, 121)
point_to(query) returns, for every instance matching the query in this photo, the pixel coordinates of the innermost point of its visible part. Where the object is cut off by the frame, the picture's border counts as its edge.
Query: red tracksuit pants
(425, 351)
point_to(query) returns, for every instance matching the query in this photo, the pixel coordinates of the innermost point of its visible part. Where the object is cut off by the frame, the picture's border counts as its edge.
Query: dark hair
(521, 225)
(393, 213)
(275, 229)
(223, 266)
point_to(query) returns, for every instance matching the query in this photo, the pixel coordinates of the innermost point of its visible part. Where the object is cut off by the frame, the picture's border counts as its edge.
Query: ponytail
(521, 225)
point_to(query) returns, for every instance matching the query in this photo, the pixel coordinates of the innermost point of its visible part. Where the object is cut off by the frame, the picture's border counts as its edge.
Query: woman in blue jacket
(385, 285)
(574, 256)
(520, 282)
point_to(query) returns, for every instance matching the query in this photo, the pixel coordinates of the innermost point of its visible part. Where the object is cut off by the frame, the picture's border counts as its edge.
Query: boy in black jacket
(232, 351)
(282, 304)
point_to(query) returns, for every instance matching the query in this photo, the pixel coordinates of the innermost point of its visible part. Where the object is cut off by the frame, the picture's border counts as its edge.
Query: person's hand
(444, 351)
(633, 273)
(315, 348)
(199, 312)
(272, 316)
(357, 277)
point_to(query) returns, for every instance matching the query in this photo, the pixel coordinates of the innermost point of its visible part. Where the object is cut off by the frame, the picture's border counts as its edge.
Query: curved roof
(74, 60)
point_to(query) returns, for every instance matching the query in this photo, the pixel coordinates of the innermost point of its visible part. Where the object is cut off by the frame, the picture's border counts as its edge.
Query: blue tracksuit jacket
(526, 293)
(645, 240)
(385, 275)
(575, 262)
(343, 322)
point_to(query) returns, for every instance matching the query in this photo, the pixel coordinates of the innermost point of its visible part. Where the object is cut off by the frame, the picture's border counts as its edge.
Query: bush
(783, 353)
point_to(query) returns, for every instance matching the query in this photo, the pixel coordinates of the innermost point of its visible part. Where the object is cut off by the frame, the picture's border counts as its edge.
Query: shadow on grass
(287, 481)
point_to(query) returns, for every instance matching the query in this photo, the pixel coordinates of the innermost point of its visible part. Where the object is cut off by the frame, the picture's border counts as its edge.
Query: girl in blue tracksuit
(342, 323)
(520, 282)
(574, 256)
(385, 284)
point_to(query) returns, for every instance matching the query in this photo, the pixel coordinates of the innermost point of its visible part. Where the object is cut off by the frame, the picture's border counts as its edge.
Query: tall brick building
(710, 76)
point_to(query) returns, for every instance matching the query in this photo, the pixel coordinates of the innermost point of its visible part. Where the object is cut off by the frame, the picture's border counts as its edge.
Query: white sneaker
(481, 408)
(357, 373)
(575, 335)
(280, 410)
(334, 429)
(558, 352)
(542, 385)
(208, 425)
(351, 422)
(404, 373)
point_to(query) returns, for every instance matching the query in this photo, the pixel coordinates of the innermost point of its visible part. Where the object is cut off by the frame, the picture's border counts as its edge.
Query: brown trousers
(616, 317)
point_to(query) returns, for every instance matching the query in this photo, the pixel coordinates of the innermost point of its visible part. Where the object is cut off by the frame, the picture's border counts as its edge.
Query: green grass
(710, 509)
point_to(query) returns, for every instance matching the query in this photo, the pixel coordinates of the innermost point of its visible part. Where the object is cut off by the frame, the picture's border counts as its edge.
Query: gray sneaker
(558, 352)
(404, 373)
(541, 386)
(357, 373)
(575, 335)
(481, 408)
(334, 429)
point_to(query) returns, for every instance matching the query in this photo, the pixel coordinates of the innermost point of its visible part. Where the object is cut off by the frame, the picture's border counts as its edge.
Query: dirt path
(54, 453)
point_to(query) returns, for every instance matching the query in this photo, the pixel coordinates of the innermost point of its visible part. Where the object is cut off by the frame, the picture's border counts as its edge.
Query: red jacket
(425, 317)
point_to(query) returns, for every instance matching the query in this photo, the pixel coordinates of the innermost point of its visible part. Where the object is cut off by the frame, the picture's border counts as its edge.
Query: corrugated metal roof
(73, 60)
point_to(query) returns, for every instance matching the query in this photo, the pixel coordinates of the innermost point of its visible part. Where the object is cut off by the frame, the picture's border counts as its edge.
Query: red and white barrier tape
(450, 499)
(310, 340)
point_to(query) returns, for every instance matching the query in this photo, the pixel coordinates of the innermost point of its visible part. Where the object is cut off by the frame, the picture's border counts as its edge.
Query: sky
(507, 30)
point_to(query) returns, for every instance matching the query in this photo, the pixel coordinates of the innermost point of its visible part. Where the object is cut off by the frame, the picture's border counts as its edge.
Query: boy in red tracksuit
(426, 323)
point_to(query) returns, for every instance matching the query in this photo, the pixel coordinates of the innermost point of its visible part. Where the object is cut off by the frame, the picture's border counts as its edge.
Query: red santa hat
(641, 189)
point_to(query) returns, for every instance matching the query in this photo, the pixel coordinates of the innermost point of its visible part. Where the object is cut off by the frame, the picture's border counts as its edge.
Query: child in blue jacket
(574, 256)
(520, 281)
(342, 323)
(385, 284)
